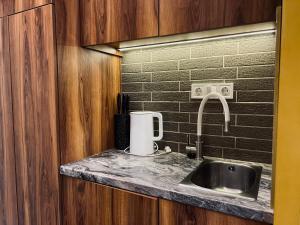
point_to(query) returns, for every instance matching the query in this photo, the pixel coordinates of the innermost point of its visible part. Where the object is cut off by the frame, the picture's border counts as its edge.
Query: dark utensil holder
(122, 131)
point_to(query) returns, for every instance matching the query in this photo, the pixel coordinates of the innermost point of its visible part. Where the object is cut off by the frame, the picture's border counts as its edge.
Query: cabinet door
(173, 213)
(33, 70)
(134, 209)
(8, 7)
(107, 21)
(81, 208)
(8, 197)
(241, 12)
(183, 16)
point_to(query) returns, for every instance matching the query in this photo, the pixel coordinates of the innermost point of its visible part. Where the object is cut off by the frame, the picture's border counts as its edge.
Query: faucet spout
(201, 109)
(200, 115)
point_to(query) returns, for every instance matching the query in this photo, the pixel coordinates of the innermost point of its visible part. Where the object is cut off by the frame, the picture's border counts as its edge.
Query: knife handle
(123, 104)
(119, 103)
(127, 103)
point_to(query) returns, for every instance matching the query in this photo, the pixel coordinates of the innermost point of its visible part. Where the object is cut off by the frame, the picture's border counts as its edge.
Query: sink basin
(235, 179)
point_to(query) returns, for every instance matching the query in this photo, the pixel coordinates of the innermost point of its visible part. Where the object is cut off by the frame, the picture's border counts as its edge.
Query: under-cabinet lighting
(218, 37)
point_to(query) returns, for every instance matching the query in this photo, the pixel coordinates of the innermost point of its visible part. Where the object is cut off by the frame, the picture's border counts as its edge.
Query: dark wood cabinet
(106, 21)
(134, 209)
(8, 7)
(184, 16)
(82, 208)
(242, 12)
(111, 206)
(173, 213)
(107, 206)
(111, 22)
(33, 72)
(8, 194)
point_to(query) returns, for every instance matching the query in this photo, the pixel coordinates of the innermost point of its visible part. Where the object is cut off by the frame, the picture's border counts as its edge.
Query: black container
(122, 131)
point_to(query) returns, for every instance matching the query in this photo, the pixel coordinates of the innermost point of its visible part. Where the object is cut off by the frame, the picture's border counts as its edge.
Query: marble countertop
(160, 176)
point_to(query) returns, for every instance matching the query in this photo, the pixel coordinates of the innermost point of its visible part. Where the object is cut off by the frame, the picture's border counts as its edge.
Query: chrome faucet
(199, 142)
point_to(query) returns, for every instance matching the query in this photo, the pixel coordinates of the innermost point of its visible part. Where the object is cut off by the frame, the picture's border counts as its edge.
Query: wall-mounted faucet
(199, 141)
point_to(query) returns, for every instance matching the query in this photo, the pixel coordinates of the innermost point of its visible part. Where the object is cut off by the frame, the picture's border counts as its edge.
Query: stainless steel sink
(231, 178)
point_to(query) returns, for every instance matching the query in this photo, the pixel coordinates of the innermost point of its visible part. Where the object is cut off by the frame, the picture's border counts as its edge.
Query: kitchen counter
(160, 176)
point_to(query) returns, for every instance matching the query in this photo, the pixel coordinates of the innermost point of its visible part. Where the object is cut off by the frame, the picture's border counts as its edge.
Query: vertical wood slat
(88, 84)
(33, 71)
(8, 194)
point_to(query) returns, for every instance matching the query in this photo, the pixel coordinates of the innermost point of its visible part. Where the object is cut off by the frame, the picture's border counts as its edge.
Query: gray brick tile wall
(161, 86)
(255, 96)
(136, 77)
(159, 79)
(256, 71)
(257, 120)
(174, 75)
(219, 73)
(215, 49)
(201, 63)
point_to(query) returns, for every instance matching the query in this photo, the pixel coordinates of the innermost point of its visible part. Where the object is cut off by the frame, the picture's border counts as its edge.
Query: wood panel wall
(33, 72)
(8, 7)
(8, 194)
(88, 83)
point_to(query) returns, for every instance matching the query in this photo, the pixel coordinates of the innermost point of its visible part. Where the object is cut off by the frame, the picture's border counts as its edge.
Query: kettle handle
(160, 126)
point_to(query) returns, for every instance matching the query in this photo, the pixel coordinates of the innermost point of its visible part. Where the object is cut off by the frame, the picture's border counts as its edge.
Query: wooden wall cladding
(33, 71)
(8, 7)
(106, 21)
(173, 213)
(82, 209)
(183, 16)
(8, 194)
(88, 84)
(242, 12)
(134, 209)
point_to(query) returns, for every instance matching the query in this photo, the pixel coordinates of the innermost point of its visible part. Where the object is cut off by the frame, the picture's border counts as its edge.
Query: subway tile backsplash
(159, 79)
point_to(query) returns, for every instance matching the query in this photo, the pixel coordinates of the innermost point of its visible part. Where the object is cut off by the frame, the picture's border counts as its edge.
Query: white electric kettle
(142, 132)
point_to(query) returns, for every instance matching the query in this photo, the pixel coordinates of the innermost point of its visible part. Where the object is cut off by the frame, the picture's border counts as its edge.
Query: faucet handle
(190, 150)
(188, 146)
